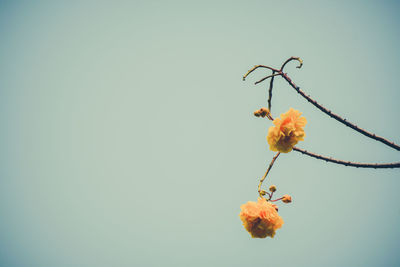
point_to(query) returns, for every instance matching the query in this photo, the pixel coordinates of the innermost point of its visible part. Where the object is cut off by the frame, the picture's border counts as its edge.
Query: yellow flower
(261, 218)
(287, 132)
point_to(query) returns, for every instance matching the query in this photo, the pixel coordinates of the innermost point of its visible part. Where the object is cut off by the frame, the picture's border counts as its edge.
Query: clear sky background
(127, 136)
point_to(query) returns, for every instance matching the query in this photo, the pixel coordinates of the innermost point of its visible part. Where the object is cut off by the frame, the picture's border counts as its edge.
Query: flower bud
(286, 199)
(263, 193)
(262, 112)
(257, 113)
(272, 188)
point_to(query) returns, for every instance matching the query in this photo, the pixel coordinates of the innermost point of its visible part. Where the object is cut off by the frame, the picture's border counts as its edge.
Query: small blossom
(260, 218)
(272, 188)
(286, 199)
(287, 132)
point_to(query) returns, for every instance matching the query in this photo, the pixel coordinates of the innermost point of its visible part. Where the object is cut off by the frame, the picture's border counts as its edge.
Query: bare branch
(269, 76)
(256, 67)
(349, 163)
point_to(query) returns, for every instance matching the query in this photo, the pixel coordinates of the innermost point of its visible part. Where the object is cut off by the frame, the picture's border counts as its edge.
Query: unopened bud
(272, 188)
(262, 112)
(263, 193)
(286, 199)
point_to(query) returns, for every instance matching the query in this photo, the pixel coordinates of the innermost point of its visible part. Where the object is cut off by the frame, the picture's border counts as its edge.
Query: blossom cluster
(261, 218)
(287, 132)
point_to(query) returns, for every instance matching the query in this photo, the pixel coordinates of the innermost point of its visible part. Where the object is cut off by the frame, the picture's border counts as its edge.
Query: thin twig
(270, 195)
(290, 59)
(277, 199)
(349, 163)
(338, 118)
(266, 173)
(269, 76)
(256, 67)
(271, 85)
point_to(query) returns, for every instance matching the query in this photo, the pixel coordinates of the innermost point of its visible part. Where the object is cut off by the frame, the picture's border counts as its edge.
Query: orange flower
(260, 218)
(287, 132)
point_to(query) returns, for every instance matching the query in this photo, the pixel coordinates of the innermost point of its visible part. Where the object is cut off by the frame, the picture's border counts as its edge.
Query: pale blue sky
(128, 137)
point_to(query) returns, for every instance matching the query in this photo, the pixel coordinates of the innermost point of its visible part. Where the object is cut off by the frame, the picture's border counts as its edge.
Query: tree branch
(338, 118)
(276, 72)
(349, 163)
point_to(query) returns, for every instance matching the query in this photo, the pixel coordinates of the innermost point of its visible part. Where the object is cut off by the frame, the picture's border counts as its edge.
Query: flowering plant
(261, 218)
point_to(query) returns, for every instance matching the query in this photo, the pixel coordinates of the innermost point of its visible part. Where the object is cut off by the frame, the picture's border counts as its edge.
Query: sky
(128, 137)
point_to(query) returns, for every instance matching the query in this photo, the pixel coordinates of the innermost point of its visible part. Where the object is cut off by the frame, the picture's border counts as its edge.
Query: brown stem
(269, 76)
(271, 85)
(277, 199)
(256, 67)
(349, 163)
(266, 173)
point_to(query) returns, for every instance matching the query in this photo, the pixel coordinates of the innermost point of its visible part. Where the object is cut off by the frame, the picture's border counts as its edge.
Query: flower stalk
(266, 173)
